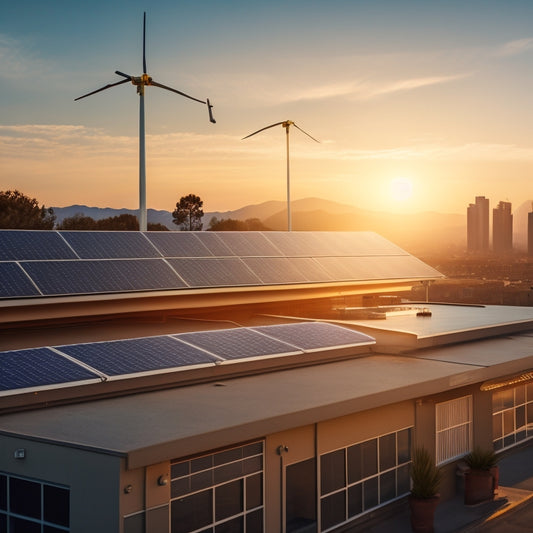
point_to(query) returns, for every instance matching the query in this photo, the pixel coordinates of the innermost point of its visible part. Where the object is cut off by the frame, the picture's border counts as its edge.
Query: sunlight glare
(401, 189)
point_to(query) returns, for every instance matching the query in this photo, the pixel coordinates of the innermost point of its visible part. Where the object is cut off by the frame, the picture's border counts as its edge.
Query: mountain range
(415, 232)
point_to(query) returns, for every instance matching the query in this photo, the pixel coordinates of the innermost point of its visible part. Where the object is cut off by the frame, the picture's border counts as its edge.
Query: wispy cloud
(516, 47)
(16, 61)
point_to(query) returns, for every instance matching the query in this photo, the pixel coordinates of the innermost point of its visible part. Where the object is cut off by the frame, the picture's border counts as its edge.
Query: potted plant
(424, 495)
(481, 479)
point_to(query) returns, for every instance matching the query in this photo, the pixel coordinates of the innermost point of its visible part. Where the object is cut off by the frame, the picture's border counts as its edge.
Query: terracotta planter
(479, 486)
(423, 513)
(495, 472)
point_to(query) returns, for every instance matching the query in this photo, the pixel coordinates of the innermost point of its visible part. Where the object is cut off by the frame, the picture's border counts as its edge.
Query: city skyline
(416, 105)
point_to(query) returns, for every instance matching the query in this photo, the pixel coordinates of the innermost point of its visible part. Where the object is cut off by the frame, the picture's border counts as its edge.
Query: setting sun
(401, 189)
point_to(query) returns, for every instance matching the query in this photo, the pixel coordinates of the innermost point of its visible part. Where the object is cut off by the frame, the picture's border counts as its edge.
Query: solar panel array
(59, 263)
(69, 365)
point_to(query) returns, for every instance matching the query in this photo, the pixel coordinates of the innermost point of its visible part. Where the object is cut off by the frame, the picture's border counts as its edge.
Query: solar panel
(110, 244)
(248, 244)
(214, 244)
(314, 336)
(178, 244)
(311, 270)
(22, 245)
(272, 270)
(213, 272)
(131, 356)
(92, 276)
(295, 243)
(238, 343)
(14, 282)
(38, 367)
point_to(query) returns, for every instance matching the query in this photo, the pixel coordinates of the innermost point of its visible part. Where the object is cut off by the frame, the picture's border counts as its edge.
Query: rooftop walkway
(513, 498)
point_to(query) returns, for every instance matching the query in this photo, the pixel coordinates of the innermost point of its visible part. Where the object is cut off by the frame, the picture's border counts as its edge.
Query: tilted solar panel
(178, 244)
(314, 336)
(271, 270)
(22, 245)
(92, 276)
(238, 343)
(38, 367)
(131, 356)
(214, 272)
(14, 282)
(295, 243)
(248, 244)
(110, 244)
(214, 244)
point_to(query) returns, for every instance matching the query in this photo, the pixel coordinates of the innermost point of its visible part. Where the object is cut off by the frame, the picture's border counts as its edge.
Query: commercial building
(478, 225)
(502, 228)
(194, 382)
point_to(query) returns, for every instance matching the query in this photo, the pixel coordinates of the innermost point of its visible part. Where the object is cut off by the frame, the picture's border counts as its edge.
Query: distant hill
(417, 232)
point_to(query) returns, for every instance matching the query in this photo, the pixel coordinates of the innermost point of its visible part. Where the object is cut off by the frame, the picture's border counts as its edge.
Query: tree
(18, 211)
(188, 213)
(231, 224)
(79, 221)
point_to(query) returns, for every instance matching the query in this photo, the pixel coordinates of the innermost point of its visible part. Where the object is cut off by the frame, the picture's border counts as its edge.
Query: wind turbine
(286, 124)
(141, 82)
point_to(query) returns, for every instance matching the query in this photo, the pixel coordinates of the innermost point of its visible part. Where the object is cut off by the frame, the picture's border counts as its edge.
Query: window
(454, 428)
(363, 476)
(220, 492)
(31, 505)
(512, 416)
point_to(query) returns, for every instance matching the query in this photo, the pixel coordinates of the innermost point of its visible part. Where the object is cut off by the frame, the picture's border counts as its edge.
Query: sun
(401, 189)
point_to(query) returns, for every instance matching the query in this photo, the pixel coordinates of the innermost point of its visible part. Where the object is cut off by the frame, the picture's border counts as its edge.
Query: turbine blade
(144, 43)
(209, 107)
(102, 89)
(263, 129)
(123, 75)
(305, 132)
(155, 84)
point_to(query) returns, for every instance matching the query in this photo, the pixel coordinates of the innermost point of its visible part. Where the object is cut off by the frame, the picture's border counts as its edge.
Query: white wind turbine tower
(140, 82)
(286, 124)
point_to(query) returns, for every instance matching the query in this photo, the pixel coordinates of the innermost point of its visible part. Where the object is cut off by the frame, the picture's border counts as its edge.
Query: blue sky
(436, 93)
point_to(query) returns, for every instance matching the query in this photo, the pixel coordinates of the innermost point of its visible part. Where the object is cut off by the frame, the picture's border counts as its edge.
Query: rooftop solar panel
(92, 276)
(22, 245)
(314, 336)
(248, 244)
(178, 244)
(123, 357)
(238, 343)
(273, 270)
(110, 244)
(214, 272)
(38, 367)
(214, 244)
(311, 270)
(295, 243)
(14, 282)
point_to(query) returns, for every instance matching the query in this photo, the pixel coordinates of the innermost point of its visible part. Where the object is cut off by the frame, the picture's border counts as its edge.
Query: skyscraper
(478, 225)
(502, 228)
(530, 233)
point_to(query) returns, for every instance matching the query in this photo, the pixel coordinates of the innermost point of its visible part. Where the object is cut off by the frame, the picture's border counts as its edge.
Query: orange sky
(438, 95)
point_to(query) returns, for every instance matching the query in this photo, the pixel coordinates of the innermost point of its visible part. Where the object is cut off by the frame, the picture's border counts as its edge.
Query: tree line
(18, 211)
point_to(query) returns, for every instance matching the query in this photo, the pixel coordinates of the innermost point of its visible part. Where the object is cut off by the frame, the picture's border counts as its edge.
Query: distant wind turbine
(286, 124)
(140, 82)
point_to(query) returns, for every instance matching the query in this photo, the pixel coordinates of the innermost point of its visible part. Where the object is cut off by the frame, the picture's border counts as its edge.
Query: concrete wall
(93, 480)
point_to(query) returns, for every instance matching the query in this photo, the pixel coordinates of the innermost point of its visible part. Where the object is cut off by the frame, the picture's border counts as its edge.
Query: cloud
(18, 63)
(516, 47)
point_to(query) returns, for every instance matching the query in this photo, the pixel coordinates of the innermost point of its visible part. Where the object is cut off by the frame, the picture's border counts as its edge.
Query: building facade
(502, 228)
(478, 225)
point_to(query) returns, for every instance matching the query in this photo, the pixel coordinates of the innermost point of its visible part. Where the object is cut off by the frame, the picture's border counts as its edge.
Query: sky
(418, 106)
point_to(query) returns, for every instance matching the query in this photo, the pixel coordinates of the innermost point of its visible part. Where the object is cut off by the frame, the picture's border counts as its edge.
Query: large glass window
(221, 492)
(363, 476)
(512, 416)
(31, 505)
(454, 428)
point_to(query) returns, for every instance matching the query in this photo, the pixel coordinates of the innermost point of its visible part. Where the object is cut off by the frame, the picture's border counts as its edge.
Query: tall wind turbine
(141, 82)
(286, 124)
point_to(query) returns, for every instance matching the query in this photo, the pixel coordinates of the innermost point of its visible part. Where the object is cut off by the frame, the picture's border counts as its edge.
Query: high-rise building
(502, 228)
(478, 225)
(530, 233)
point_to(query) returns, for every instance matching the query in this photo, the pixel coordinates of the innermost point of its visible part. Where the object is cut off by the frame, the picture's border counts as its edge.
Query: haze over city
(418, 106)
